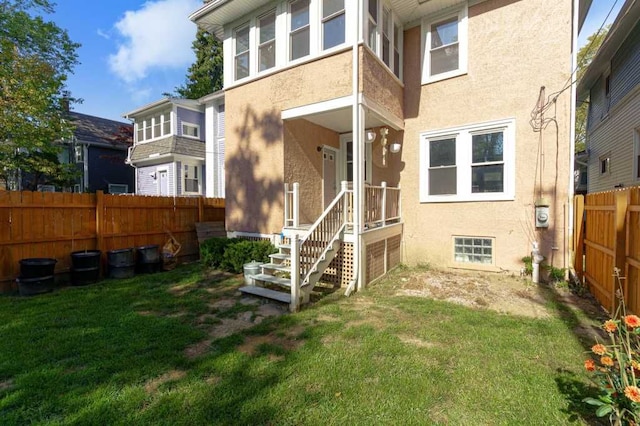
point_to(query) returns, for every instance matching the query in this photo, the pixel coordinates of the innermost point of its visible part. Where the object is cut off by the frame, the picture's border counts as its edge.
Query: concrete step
(265, 292)
(285, 282)
(280, 256)
(276, 267)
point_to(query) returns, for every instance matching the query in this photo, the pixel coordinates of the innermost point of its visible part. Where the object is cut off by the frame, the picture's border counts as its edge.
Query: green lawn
(117, 353)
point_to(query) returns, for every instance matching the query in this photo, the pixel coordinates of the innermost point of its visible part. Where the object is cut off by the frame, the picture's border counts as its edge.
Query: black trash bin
(36, 276)
(148, 259)
(85, 267)
(121, 263)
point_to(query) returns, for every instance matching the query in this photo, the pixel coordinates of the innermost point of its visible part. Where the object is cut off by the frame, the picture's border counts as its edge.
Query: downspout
(358, 163)
(572, 129)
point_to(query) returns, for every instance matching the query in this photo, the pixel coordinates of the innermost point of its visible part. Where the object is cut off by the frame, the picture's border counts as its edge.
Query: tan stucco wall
(378, 84)
(303, 163)
(515, 47)
(254, 157)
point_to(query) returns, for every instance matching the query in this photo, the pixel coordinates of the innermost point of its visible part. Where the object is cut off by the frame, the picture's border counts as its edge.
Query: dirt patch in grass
(225, 303)
(152, 385)
(6, 385)
(414, 341)
(289, 341)
(198, 349)
(498, 292)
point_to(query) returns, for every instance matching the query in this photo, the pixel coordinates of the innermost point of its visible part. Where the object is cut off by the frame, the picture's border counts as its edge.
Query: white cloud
(103, 34)
(157, 36)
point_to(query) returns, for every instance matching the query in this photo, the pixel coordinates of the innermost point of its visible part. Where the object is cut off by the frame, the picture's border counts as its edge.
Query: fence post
(100, 222)
(296, 204)
(201, 208)
(578, 237)
(619, 259)
(384, 204)
(295, 273)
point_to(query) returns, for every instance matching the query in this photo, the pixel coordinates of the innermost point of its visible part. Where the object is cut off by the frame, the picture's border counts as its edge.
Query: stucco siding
(254, 148)
(615, 137)
(506, 68)
(378, 84)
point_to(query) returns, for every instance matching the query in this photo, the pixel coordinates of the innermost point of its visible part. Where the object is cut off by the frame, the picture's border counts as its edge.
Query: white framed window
(157, 129)
(147, 129)
(299, 29)
(387, 25)
(153, 127)
(78, 151)
(605, 164)
(166, 124)
(384, 35)
(397, 48)
(191, 179)
(346, 145)
(470, 163)
(267, 41)
(372, 25)
(474, 250)
(190, 130)
(140, 131)
(46, 188)
(241, 52)
(118, 188)
(445, 45)
(333, 23)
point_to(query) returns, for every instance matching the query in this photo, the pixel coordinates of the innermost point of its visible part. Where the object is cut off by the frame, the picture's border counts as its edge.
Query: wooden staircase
(292, 273)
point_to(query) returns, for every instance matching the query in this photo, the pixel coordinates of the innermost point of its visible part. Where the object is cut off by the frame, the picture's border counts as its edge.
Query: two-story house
(370, 131)
(173, 145)
(612, 86)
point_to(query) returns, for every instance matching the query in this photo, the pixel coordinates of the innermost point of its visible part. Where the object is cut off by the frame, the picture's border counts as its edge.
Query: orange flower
(633, 393)
(632, 321)
(590, 365)
(606, 361)
(599, 349)
(610, 326)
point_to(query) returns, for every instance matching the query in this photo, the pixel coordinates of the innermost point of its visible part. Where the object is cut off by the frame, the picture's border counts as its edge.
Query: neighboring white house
(179, 147)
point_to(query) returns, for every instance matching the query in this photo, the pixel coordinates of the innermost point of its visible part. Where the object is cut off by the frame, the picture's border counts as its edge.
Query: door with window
(346, 167)
(329, 173)
(163, 183)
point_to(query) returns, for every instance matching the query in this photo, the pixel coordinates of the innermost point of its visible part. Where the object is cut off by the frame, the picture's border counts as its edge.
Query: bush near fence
(607, 236)
(53, 224)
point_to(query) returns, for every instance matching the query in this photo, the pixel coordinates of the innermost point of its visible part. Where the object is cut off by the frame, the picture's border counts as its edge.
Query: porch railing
(382, 205)
(292, 205)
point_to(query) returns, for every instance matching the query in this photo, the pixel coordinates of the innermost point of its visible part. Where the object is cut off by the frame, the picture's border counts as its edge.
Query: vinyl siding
(625, 67)
(146, 185)
(194, 117)
(598, 104)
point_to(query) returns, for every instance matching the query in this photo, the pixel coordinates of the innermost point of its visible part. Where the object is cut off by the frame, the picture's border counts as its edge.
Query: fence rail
(46, 224)
(607, 236)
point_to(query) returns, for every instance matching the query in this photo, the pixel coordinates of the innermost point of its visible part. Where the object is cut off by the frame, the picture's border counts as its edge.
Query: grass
(114, 353)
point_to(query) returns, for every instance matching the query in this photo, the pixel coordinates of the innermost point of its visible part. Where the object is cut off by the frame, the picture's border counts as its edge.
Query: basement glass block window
(473, 250)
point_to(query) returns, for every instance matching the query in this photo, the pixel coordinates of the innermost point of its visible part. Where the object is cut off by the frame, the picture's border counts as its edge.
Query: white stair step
(280, 256)
(284, 246)
(265, 292)
(276, 267)
(286, 282)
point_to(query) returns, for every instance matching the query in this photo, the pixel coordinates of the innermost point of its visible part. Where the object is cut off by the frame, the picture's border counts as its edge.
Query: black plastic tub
(37, 267)
(85, 276)
(148, 259)
(35, 286)
(121, 263)
(85, 259)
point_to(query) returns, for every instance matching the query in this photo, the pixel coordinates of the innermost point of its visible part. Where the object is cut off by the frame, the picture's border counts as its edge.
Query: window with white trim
(299, 29)
(333, 23)
(383, 34)
(191, 178)
(347, 148)
(241, 52)
(372, 27)
(118, 188)
(190, 130)
(397, 34)
(445, 47)
(473, 250)
(153, 127)
(470, 163)
(267, 41)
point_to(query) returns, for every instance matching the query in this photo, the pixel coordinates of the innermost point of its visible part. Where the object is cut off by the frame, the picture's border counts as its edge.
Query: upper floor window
(384, 35)
(267, 41)
(445, 41)
(333, 23)
(470, 163)
(153, 127)
(372, 33)
(242, 54)
(190, 130)
(396, 49)
(299, 33)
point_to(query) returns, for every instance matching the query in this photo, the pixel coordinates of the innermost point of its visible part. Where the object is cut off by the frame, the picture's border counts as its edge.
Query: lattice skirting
(382, 256)
(340, 270)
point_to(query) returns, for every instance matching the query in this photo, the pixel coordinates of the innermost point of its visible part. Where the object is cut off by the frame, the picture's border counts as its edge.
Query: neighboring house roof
(166, 146)
(98, 131)
(146, 109)
(618, 33)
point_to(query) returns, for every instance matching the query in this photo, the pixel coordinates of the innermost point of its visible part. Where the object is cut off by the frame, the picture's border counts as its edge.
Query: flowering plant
(616, 367)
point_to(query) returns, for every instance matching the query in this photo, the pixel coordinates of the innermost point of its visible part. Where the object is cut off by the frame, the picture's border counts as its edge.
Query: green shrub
(556, 275)
(212, 251)
(528, 265)
(241, 252)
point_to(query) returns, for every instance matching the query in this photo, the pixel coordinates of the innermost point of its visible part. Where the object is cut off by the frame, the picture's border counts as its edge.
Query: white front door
(329, 170)
(163, 183)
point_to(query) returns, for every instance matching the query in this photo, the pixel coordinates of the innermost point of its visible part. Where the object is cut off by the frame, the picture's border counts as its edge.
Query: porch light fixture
(370, 136)
(395, 147)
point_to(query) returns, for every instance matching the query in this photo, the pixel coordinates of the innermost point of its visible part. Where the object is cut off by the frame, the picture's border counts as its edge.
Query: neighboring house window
(157, 129)
(78, 151)
(191, 178)
(470, 163)
(372, 39)
(299, 33)
(445, 42)
(118, 188)
(166, 124)
(333, 23)
(190, 130)
(153, 127)
(140, 131)
(473, 250)
(147, 129)
(242, 52)
(267, 44)
(605, 164)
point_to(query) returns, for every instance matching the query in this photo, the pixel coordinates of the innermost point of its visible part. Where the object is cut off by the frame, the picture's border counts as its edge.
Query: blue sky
(134, 50)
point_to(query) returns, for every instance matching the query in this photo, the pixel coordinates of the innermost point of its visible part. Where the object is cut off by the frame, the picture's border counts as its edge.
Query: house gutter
(358, 150)
(572, 131)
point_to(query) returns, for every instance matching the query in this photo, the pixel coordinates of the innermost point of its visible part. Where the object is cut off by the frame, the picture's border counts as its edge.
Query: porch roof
(336, 114)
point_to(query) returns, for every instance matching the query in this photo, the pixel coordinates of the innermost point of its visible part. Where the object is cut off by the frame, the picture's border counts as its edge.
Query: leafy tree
(205, 74)
(35, 58)
(585, 56)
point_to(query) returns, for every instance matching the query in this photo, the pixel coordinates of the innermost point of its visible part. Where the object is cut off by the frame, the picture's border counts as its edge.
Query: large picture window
(470, 163)
(445, 47)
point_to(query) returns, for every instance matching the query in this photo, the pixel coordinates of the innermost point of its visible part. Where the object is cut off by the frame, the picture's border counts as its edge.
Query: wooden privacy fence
(608, 235)
(53, 224)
